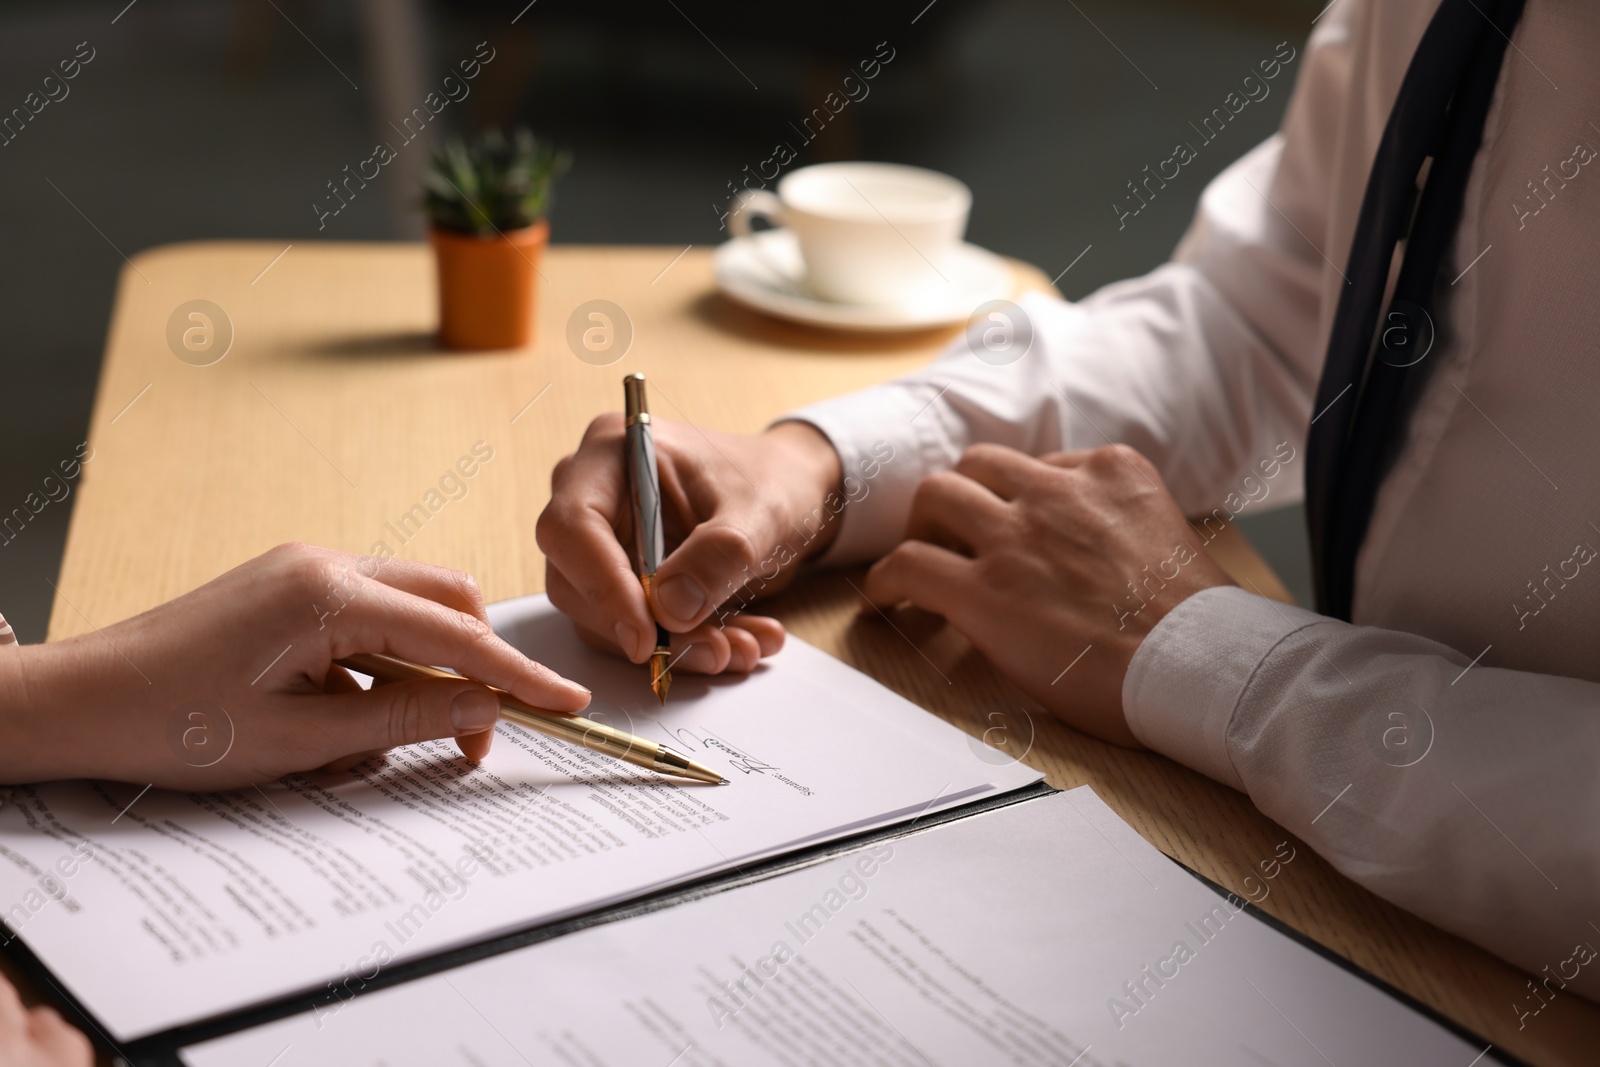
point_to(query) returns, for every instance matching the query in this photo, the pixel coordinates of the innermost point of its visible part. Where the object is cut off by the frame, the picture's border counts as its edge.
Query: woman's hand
(728, 504)
(235, 683)
(1054, 568)
(38, 1037)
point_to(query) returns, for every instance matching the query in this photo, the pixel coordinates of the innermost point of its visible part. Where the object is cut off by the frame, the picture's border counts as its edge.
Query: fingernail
(681, 597)
(699, 658)
(629, 638)
(473, 711)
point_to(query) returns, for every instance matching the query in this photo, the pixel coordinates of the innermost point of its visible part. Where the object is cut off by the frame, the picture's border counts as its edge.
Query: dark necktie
(1363, 397)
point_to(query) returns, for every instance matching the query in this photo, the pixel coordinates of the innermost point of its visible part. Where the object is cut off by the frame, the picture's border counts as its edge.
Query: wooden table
(333, 414)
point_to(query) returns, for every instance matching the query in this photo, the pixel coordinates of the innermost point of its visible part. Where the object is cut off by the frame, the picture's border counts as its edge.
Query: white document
(186, 906)
(1043, 934)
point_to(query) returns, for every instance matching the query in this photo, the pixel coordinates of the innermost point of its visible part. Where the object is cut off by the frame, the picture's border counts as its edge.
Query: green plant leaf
(493, 185)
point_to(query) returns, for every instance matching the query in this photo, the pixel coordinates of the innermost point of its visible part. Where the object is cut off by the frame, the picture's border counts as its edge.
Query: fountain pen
(649, 543)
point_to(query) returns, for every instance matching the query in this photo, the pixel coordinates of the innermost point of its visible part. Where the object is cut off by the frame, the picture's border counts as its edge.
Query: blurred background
(226, 118)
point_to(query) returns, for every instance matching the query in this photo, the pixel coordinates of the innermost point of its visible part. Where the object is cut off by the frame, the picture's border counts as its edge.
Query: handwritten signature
(738, 758)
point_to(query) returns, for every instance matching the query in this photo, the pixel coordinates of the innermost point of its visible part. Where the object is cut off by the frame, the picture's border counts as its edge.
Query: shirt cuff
(887, 441)
(1190, 673)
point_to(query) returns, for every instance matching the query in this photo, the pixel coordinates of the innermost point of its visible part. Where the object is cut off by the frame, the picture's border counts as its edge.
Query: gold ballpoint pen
(594, 736)
(644, 483)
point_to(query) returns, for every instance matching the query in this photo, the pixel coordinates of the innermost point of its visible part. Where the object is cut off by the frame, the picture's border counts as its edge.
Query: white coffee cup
(869, 233)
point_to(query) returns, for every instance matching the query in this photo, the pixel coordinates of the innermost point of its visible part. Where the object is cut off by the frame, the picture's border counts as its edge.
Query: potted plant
(486, 204)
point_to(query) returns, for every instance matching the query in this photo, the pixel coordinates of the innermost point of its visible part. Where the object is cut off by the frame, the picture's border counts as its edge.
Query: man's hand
(235, 683)
(728, 503)
(1037, 561)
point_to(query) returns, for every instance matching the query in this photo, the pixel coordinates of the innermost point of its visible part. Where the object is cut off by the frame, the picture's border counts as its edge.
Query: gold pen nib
(660, 664)
(660, 673)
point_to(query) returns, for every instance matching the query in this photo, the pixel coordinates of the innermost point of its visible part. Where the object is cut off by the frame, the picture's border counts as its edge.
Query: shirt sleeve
(1399, 760)
(1208, 365)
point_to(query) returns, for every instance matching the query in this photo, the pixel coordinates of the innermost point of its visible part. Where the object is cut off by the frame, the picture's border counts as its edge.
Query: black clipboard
(161, 1049)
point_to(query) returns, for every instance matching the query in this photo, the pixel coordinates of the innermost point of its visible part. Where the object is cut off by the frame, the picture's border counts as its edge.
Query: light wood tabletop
(333, 415)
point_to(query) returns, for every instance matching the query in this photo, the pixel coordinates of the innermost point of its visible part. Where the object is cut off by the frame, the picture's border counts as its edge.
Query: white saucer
(764, 271)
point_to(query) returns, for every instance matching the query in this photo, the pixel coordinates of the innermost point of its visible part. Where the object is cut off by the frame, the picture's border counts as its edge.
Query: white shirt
(1481, 549)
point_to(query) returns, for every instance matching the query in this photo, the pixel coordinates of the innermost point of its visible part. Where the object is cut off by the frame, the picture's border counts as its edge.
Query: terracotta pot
(486, 286)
